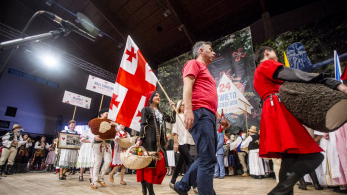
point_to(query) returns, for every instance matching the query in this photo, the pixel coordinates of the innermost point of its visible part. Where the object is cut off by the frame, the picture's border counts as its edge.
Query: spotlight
(49, 60)
(167, 13)
(49, 2)
(180, 28)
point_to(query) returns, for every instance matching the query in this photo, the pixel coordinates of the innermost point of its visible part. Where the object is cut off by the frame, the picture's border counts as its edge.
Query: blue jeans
(219, 169)
(204, 135)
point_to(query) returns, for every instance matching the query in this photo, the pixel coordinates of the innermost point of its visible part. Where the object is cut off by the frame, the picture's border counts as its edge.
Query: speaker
(11, 111)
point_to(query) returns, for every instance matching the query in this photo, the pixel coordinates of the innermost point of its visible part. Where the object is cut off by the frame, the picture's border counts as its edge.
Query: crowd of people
(284, 150)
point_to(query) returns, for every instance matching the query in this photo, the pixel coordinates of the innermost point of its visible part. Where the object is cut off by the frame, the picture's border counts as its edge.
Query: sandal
(123, 183)
(81, 178)
(61, 177)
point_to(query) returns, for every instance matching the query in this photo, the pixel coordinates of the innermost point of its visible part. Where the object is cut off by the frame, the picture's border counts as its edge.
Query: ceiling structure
(162, 29)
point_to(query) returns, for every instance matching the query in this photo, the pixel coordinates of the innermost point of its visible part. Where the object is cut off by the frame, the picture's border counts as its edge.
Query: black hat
(102, 111)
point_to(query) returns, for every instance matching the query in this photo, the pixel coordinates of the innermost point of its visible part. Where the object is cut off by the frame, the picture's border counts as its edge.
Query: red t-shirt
(204, 88)
(263, 82)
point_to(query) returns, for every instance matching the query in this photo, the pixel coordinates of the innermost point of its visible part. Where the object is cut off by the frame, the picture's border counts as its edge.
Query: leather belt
(270, 96)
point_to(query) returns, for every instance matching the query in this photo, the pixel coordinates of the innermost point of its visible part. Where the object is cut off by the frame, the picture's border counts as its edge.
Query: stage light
(50, 61)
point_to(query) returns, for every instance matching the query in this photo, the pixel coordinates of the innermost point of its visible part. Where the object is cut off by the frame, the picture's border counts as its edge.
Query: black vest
(254, 144)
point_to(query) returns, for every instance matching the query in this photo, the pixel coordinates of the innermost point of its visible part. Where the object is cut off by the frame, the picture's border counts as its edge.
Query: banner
(229, 98)
(100, 86)
(76, 100)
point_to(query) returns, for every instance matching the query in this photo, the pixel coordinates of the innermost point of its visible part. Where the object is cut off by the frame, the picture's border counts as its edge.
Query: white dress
(68, 157)
(116, 161)
(85, 157)
(256, 166)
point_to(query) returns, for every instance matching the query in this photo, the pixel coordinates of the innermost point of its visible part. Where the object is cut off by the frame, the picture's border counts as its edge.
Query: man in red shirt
(200, 116)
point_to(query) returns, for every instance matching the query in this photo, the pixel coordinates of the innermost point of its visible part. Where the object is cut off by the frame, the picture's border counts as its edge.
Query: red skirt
(281, 132)
(153, 175)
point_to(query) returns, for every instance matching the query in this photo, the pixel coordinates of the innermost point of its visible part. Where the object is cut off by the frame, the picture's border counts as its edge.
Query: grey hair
(198, 46)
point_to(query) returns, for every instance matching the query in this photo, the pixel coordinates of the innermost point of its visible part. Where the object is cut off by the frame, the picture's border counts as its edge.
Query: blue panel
(15, 72)
(29, 76)
(41, 80)
(53, 84)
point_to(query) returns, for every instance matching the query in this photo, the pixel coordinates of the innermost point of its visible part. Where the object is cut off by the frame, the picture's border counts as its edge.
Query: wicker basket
(127, 142)
(134, 161)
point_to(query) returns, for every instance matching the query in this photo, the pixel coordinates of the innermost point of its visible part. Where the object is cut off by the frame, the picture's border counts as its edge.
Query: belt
(98, 142)
(270, 96)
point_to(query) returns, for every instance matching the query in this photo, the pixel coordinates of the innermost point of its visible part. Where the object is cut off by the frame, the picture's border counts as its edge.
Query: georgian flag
(135, 78)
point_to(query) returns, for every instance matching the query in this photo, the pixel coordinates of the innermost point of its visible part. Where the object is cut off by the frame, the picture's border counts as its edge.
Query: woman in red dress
(282, 135)
(153, 138)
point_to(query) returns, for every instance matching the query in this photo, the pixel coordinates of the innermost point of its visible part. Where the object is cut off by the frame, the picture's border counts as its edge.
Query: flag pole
(102, 98)
(169, 100)
(73, 117)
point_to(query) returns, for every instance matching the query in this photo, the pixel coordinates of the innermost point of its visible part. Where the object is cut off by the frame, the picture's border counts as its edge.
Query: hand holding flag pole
(169, 100)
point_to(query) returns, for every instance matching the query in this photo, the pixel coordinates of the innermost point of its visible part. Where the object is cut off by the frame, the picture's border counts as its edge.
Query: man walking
(200, 116)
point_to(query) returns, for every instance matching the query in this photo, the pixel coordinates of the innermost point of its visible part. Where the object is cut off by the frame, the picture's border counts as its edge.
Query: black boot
(2, 167)
(150, 188)
(144, 187)
(315, 181)
(285, 186)
(9, 171)
(302, 184)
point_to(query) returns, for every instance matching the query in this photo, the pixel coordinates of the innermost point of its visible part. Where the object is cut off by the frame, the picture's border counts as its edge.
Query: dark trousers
(38, 161)
(205, 138)
(294, 167)
(184, 157)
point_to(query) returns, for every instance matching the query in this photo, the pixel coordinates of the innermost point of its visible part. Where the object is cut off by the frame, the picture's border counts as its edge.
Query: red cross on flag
(135, 78)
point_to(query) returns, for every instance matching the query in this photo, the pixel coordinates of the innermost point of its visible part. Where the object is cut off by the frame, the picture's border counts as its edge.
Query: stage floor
(48, 183)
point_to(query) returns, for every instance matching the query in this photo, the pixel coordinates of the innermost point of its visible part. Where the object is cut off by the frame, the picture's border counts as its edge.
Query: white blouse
(183, 135)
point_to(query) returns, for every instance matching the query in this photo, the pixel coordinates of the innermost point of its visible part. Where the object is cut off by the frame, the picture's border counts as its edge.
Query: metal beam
(173, 7)
(203, 11)
(231, 10)
(137, 10)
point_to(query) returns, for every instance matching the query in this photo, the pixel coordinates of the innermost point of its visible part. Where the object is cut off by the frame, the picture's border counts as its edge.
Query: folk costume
(153, 138)
(101, 150)
(50, 159)
(85, 156)
(283, 136)
(68, 157)
(341, 146)
(40, 151)
(24, 152)
(9, 150)
(256, 166)
(240, 153)
(116, 161)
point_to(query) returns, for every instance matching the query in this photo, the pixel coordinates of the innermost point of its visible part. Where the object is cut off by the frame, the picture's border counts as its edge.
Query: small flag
(220, 126)
(337, 67)
(344, 74)
(286, 63)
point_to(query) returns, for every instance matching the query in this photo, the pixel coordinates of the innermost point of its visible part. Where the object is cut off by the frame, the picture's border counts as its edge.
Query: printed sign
(69, 141)
(229, 98)
(76, 100)
(100, 86)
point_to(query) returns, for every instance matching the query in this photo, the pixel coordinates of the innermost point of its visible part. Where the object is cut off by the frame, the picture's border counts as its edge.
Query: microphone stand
(21, 41)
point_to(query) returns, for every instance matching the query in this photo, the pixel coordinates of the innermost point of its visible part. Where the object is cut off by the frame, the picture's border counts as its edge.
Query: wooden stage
(49, 184)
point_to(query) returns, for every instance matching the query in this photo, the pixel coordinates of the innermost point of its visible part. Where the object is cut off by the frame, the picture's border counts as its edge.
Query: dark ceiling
(159, 37)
